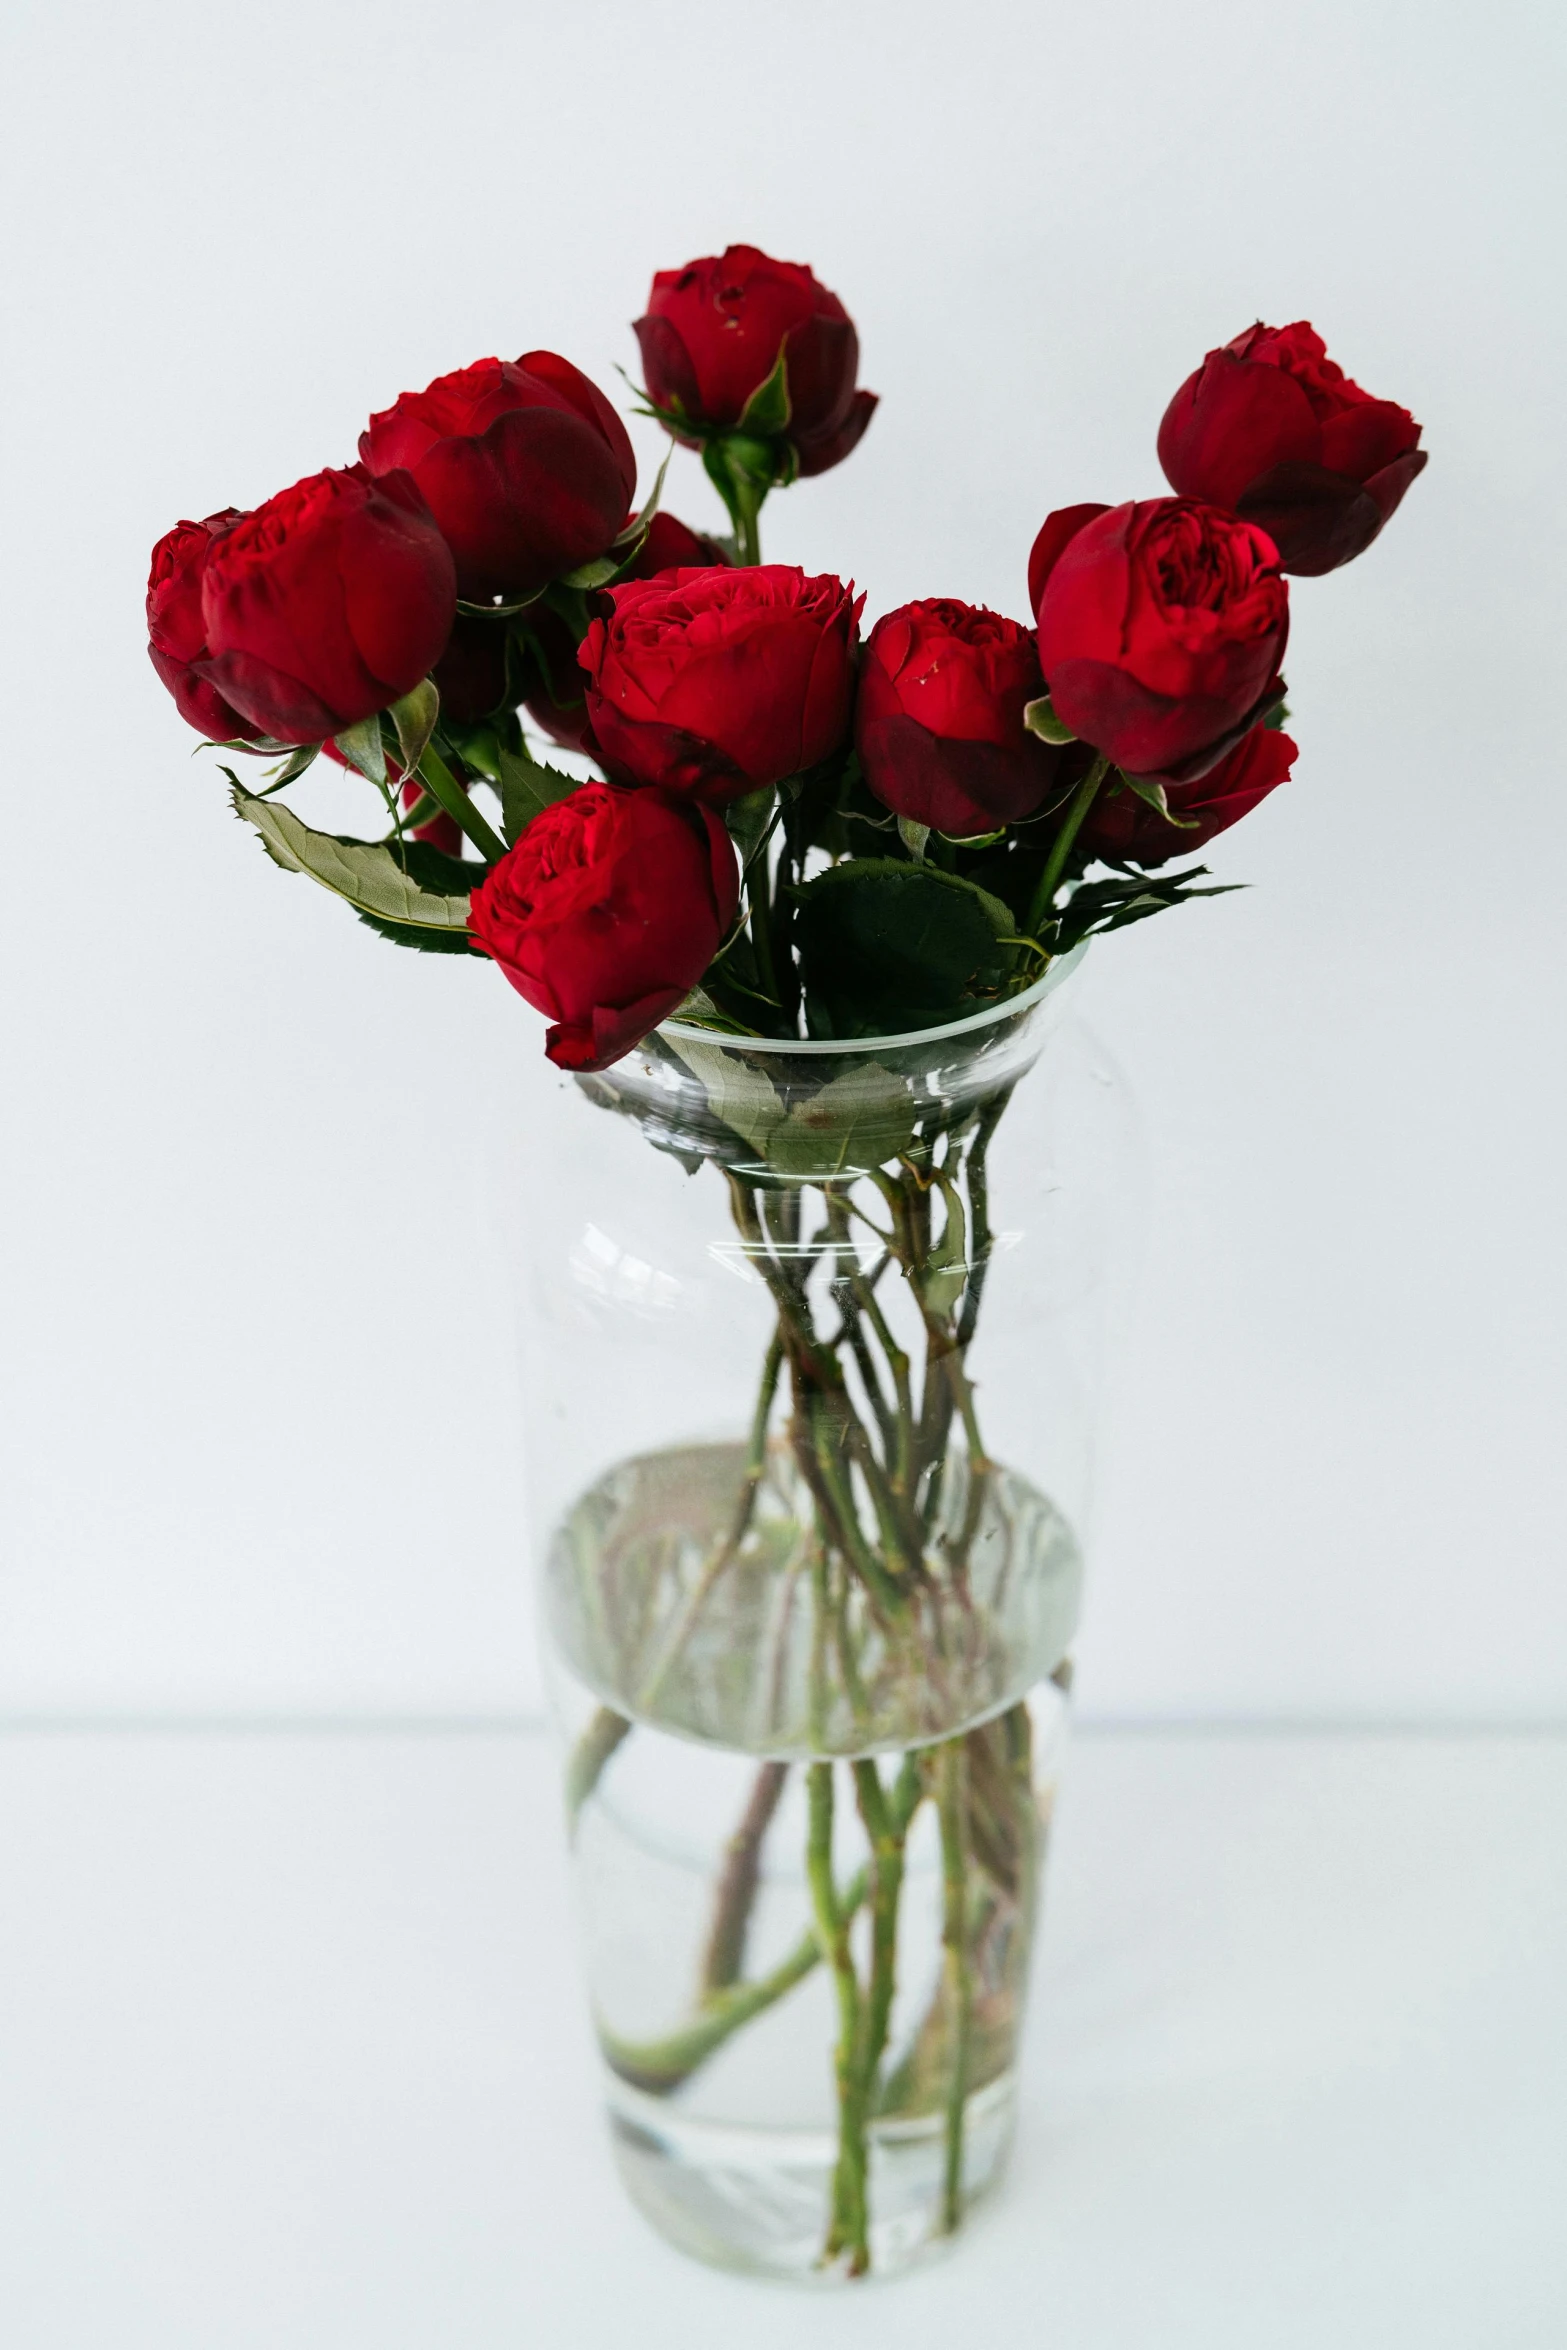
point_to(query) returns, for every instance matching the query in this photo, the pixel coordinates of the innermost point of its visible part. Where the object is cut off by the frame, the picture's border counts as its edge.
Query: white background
(258, 1398)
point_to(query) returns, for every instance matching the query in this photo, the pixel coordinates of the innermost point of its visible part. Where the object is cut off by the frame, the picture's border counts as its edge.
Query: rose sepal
(1040, 718)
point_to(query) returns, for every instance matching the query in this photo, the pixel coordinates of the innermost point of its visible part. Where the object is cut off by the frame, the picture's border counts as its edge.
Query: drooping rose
(712, 335)
(939, 718)
(328, 603)
(719, 682)
(524, 464)
(1162, 625)
(1122, 826)
(606, 914)
(176, 632)
(1271, 428)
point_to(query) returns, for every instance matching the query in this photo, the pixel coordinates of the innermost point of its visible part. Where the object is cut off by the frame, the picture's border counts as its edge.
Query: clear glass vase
(813, 1336)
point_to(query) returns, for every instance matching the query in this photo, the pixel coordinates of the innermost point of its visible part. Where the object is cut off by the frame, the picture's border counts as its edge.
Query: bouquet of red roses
(796, 927)
(798, 830)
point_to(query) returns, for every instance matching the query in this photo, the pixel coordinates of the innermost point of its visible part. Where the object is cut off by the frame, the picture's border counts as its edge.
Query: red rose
(606, 914)
(720, 682)
(1121, 826)
(939, 722)
(554, 693)
(1054, 533)
(326, 604)
(1272, 429)
(712, 336)
(176, 632)
(1161, 629)
(471, 675)
(525, 466)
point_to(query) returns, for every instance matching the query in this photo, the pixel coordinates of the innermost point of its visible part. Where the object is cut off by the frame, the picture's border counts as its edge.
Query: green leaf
(635, 531)
(293, 767)
(887, 946)
(361, 746)
(858, 1120)
(371, 875)
(596, 574)
(738, 1095)
(767, 411)
(913, 836)
(526, 789)
(414, 718)
(498, 611)
(1099, 906)
(946, 1267)
(1040, 718)
(1152, 794)
(750, 820)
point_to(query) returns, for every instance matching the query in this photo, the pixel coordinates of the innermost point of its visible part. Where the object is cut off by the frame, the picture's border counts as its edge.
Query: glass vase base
(756, 2201)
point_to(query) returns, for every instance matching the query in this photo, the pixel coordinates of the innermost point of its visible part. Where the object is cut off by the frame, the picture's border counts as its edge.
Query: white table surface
(292, 2057)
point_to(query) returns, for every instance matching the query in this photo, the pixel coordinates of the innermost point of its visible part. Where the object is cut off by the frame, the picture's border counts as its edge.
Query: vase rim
(1061, 968)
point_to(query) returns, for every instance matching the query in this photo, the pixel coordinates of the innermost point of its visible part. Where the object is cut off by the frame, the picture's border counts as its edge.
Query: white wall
(257, 1444)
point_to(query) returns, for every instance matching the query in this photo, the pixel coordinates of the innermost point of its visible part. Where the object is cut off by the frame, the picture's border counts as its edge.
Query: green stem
(589, 1758)
(662, 2066)
(847, 2231)
(1055, 863)
(725, 1955)
(887, 1850)
(760, 886)
(951, 1795)
(442, 785)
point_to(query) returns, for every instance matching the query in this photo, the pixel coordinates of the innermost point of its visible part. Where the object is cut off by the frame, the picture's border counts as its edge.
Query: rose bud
(720, 682)
(672, 545)
(606, 914)
(1271, 428)
(328, 603)
(1161, 628)
(525, 466)
(712, 335)
(939, 722)
(176, 632)
(1123, 827)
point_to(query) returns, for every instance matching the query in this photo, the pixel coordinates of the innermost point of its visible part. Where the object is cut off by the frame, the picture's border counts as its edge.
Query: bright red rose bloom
(176, 632)
(939, 720)
(1271, 428)
(525, 466)
(720, 682)
(606, 914)
(554, 694)
(1161, 628)
(326, 604)
(712, 335)
(1122, 826)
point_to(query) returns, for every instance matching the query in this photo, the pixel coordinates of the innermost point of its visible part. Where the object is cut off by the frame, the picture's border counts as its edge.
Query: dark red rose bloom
(525, 466)
(720, 682)
(712, 335)
(1054, 533)
(606, 914)
(939, 721)
(1271, 428)
(326, 604)
(1122, 826)
(672, 545)
(1161, 629)
(471, 675)
(176, 632)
